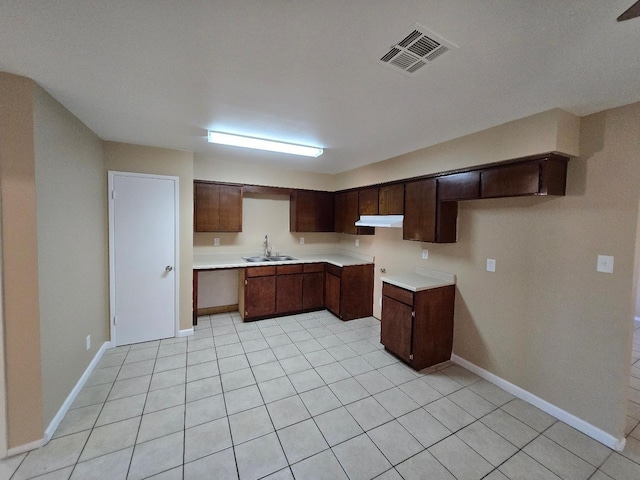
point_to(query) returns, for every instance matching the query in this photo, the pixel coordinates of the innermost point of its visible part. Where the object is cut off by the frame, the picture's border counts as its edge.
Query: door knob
(168, 268)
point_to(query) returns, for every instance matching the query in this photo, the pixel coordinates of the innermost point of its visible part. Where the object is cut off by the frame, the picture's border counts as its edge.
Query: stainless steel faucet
(267, 249)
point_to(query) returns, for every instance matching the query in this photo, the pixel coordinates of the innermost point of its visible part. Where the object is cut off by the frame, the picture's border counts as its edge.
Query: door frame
(176, 254)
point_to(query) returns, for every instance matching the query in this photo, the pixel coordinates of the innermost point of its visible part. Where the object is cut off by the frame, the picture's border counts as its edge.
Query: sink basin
(279, 258)
(256, 259)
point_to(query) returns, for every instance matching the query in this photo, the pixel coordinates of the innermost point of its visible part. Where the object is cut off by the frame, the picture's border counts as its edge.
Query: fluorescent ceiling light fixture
(261, 144)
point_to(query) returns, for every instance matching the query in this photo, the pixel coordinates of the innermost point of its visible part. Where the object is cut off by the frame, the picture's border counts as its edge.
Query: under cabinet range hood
(388, 221)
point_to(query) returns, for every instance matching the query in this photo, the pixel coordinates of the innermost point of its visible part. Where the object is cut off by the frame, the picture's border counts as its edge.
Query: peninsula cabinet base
(417, 327)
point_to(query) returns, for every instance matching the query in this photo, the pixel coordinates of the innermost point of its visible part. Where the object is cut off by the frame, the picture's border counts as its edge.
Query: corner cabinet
(217, 207)
(349, 291)
(418, 326)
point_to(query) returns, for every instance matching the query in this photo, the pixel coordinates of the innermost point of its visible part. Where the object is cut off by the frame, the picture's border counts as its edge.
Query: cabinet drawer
(333, 270)
(313, 267)
(289, 269)
(259, 271)
(397, 293)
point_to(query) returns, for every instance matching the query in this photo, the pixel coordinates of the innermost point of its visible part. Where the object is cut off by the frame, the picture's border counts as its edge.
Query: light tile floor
(306, 397)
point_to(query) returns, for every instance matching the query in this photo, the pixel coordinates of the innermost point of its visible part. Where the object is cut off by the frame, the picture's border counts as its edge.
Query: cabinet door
(511, 180)
(260, 296)
(396, 327)
(332, 293)
(356, 292)
(420, 211)
(459, 186)
(288, 293)
(230, 209)
(340, 212)
(206, 207)
(368, 201)
(313, 290)
(391, 200)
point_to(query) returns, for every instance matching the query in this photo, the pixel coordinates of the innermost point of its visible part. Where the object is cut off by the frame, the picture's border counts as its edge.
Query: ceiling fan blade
(632, 12)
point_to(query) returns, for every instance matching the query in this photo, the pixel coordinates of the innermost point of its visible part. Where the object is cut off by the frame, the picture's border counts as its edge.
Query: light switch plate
(301, 240)
(491, 265)
(605, 264)
(425, 254)
(216, 242)
(357, 242)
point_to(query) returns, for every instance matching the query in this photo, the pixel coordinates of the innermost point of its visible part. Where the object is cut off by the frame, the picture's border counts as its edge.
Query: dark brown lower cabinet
(288, 288)
(313, 286)
(349, 291)
(418, 326)
(271, 291)
(257, 296)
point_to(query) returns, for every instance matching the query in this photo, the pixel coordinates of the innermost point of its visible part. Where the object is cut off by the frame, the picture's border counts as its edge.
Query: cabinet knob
(168, 268)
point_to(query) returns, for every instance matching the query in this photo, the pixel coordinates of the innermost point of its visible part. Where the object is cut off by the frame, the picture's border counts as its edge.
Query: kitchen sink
(256, 259)
(279, 258)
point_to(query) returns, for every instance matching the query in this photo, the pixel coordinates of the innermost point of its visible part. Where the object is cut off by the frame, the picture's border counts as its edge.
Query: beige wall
(72, 248)
(551, 131)
(262, 215)
(20, 261)
(221, 170)
(124, 157)
(545, 320)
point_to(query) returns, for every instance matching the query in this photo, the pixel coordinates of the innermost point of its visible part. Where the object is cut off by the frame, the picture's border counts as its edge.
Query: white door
(143, 255)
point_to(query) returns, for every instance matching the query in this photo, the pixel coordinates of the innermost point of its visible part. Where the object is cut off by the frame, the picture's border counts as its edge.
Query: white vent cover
(418, 47)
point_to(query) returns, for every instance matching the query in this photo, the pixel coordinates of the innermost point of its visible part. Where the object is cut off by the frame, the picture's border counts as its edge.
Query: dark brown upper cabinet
(217, 207)
(426, 219)
(368, 201)
(546, 176)
(346, 208)
(459, 186)
(391, 199)
(311, 211)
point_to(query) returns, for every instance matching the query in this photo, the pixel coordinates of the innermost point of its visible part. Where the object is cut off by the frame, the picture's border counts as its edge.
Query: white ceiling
(162, 72)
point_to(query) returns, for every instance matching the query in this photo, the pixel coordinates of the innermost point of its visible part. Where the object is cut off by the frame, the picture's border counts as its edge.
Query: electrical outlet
(216, 242)
(301, 240)
(425, 254)
(491, 265)
(88, 342)
(380, 302)
(605, 264)
(357, 242)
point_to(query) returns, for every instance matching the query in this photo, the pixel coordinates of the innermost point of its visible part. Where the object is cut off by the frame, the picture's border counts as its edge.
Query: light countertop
(214, 262)
(422, 279)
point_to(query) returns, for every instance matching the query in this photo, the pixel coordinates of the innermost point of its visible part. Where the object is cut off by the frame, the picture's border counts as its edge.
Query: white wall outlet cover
(425, 254)
(491, 265)
(605, 264)
(357, 242)
(216, 242)
(88, 342)
(301, 240)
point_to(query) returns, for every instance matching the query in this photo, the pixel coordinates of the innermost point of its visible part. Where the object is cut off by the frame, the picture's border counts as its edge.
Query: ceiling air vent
(418, 47)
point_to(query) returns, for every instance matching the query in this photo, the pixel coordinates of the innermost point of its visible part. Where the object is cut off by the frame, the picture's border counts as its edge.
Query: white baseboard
(25, 448)
(568, 418)
(186, 333)
(48, 433)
